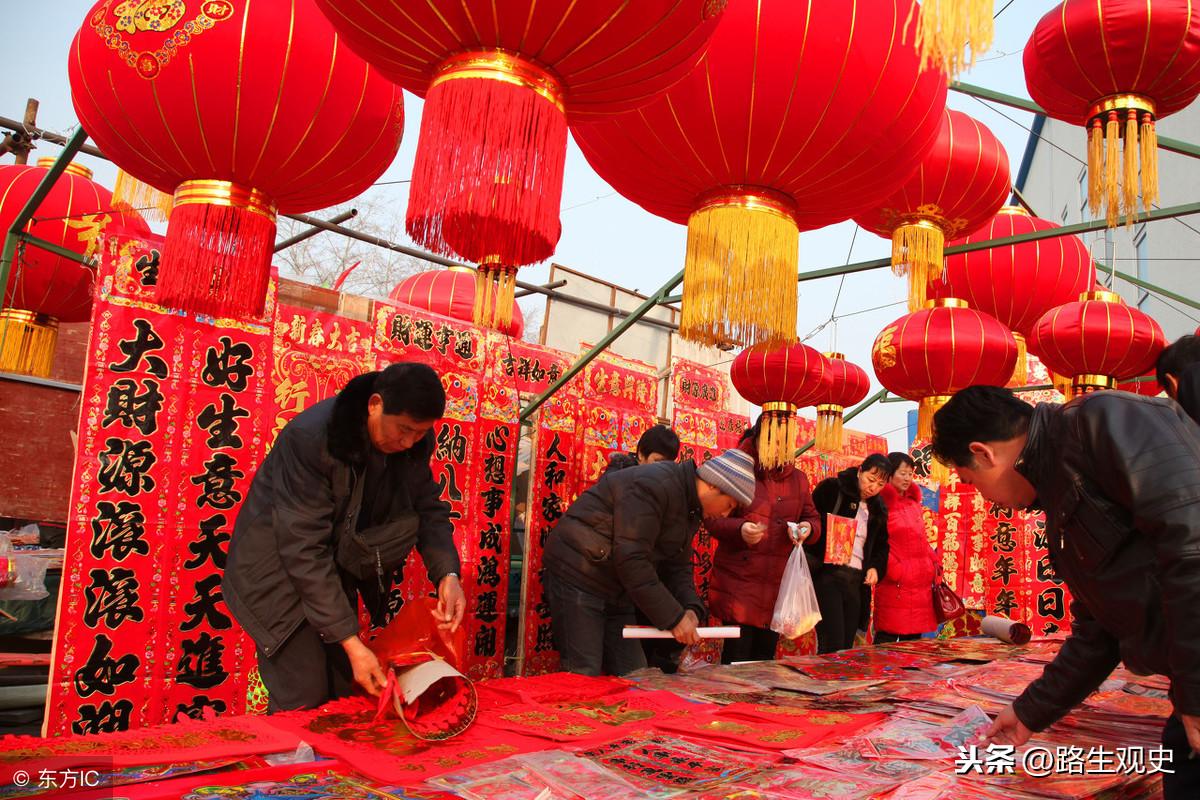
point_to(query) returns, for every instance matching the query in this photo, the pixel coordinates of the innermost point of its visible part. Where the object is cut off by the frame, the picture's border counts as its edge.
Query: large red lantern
(780, 380)
(1019, 283)
(962, 181)
(930, 354)
(43, 288)
(241, 109)
(452, 293)
(1098, 340)
(500, 79)
(1116, 66)
(800, 115)
(850, 385)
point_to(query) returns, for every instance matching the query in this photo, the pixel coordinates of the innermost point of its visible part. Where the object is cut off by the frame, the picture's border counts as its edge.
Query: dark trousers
(587, 631)
(1184, 782)
(883, 637)
(305, 672)
(755, 644)
(839, 595)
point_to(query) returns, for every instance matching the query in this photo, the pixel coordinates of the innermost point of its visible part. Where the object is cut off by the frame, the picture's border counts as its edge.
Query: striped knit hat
(733, 473)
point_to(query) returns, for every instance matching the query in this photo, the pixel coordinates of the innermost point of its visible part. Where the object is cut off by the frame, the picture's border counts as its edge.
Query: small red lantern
(850, 385)
(1116, 66)
(1019, 283)
(799, 116)
(780, 380)
(929, 355)
(452, 293)
(43, 288)
(1098, 340)
(957, 188)
(500, 79)
(242, 110)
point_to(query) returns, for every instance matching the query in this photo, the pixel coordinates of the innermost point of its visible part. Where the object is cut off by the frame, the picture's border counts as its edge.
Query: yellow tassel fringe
(27, 341)
(948, 27)
(777, 439)
(829, 429)
(917, 252)
(1119, 178)
(494, 290)
(1020, 376)
(130, 193)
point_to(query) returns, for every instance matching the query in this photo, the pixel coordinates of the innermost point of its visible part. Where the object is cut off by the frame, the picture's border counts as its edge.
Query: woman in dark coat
(850, 500)
(752, 551)
(904, 599)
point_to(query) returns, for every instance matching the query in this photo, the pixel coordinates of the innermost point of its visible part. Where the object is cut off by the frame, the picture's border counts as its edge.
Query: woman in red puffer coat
(904, 598)
(753, 547)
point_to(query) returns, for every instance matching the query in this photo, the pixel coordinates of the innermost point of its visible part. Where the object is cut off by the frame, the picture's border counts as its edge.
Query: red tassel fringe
(216, 261)
(488, 176)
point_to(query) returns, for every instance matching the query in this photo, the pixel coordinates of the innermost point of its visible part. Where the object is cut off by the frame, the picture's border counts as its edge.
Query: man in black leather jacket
(1118, 476)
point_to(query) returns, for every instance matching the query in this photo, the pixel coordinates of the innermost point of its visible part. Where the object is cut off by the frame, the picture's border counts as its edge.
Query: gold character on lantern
(884, 354)
(149, 15)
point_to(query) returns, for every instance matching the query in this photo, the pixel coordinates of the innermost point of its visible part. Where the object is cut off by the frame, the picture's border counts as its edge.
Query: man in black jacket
(627, 542)
(1118, 476)
(354, 464)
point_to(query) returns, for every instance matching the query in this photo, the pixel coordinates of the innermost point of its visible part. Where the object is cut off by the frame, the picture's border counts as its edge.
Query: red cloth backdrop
(171, 432)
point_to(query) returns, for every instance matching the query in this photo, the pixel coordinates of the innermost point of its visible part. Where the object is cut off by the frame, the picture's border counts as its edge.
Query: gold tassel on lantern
(939, 473)
(1062, 384)
(777, 435)
(495, 285)
(27, 342)
(739, 283)
(1119, 172)
(1020, 376)
(917, 252)
(829, 428)
(947, 27)
(130, 193)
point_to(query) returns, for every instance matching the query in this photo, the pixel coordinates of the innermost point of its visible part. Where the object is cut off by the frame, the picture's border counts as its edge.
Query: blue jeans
(587, 631)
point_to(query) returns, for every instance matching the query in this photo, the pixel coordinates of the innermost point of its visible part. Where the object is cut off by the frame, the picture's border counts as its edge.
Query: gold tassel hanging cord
(917, 251)
(1112, 188)
(947, 27)
(1149, 142)
(739, 285)
(829, 428)
(495, 286)
(1119, 173)
(777, 435)
(925, 411)
(130, 193)
(1095, 165)
(1020, 376)
(27, 342)
(1062, 384)
(1132, 153)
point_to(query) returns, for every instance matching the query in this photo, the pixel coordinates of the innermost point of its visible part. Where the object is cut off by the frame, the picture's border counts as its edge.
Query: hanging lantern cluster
(929, 355)
(500, 80)
(241, 111)
(780, 380)
(1097, 341)
(1017, 283)
(452, 293)
(800, 115)
(44, 288)
(961, 182)
(849, 386)
(1116, 67)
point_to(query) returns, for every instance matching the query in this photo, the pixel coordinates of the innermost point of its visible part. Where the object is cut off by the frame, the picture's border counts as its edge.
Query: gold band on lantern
(1096, 381)
(830, 408)
(503, 66)
(72, 167)
(786, 408)
(835, 354)
(1121, 102)
(224, 193)
(947, 302)
(1102, 295)
(1013, 211)
(751, 198)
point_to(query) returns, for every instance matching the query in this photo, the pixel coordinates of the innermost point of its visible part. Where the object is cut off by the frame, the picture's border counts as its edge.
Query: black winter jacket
(1118, 476)
(620, 461)
(630, 536)
(1188, 395)
(281, 569)
(825, 498)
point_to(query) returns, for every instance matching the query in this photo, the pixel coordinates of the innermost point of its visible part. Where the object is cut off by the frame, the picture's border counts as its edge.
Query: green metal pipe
(8, 254)
(58, 250)
(1154, 289)
(849, 415)
(1012, 101)
(1004, 241)
(648, 305)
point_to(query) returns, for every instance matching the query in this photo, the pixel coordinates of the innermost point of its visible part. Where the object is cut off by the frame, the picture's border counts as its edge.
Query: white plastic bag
(796, 609)
(22, 577)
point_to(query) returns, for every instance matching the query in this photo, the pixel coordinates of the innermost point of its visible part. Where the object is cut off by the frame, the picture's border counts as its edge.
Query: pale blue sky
(603, 234)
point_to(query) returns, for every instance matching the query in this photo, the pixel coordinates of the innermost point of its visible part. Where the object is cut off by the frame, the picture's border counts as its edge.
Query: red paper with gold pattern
(172, 430)
(534, 367)
(619, 401)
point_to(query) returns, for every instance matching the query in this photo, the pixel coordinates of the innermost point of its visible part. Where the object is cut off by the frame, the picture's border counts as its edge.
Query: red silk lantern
(960, 184)
(43, 288)
(800, 115)
(929, 355)
(1098, 340)
(1116, 66)
(452, 293)
(500, 79)
(850, 385)
(1019, 283)
(242, 110)
(780, 380)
